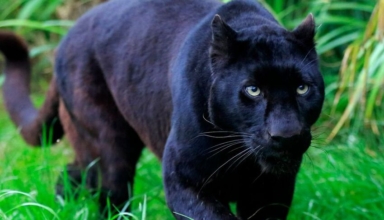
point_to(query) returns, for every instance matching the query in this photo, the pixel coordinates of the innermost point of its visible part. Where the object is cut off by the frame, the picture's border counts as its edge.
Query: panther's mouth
(281, 162)
(277, 160)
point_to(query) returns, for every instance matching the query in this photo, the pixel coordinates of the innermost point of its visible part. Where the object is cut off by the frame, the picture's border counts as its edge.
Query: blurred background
(342, 175)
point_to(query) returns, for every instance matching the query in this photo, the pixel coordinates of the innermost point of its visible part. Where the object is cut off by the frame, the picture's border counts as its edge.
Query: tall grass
(362, 76)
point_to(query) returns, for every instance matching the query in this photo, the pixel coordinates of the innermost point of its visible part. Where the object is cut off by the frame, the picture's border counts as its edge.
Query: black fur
(177, 77)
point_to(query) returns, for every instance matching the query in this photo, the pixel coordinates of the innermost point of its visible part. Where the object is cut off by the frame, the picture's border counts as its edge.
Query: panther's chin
(279, 164)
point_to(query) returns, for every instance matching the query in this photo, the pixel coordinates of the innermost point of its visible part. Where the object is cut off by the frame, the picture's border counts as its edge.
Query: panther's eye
(253, 91)
(302, 89)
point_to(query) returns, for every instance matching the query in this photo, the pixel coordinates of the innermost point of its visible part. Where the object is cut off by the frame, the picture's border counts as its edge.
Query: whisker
(249, 154)
(205, 119)
(220, 137)
(310, 158)
(224, 148)
(242, 158)
(258, 148)
(225, 142)
(236, 148)
(262, 172)
(229, 132)
(225, 132)
(321, 148)
(309, 64)
(307, 55)
(206, 181)
(273, 204)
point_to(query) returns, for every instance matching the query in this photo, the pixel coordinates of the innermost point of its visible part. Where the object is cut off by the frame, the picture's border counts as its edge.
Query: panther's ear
(223, 37)
(221, 30)
(305, 32)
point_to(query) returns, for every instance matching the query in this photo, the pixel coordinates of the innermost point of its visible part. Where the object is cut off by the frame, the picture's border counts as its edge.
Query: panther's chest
(233, 181)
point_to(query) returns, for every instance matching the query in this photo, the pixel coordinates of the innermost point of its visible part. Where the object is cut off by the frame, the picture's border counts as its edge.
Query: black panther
(221, 93)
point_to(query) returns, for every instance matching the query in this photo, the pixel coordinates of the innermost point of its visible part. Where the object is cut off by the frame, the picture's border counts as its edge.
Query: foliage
(362, 75)
(42, 23)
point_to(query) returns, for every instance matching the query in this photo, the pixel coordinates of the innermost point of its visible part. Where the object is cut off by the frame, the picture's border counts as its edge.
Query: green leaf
(31, 7)
(58, 27)
(342, 40)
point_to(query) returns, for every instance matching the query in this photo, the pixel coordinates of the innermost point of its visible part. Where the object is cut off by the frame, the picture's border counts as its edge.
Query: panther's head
(266, 87)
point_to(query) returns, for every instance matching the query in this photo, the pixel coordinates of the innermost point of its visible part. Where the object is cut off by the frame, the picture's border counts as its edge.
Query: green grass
(28, 177)
(341, 181)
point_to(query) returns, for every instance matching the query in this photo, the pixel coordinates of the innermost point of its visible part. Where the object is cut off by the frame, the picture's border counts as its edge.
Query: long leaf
(45, 26)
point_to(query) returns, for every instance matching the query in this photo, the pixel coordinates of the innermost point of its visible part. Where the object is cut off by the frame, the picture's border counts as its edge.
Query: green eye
(302, 89)
(252, 91)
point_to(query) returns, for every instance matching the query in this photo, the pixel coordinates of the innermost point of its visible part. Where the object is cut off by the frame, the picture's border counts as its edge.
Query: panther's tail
(16, 90)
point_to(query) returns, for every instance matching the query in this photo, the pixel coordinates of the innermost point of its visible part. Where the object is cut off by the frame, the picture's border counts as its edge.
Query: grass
(28, 177)
(342, 181)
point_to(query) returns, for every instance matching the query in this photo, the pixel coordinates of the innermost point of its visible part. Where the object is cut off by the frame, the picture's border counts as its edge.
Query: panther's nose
(285, 131)
(281, 139)
(281, 134)
(283, 124)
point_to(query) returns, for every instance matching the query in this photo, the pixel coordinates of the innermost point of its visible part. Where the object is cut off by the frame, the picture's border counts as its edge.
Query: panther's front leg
(268, 198)
(184, 201)
(183, 188)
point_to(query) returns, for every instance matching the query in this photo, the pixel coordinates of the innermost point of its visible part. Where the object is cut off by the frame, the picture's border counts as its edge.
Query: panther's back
(131, 50)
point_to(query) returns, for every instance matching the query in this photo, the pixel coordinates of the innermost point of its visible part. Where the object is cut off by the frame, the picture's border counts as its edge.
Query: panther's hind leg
(84, 169)
(100, 135)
